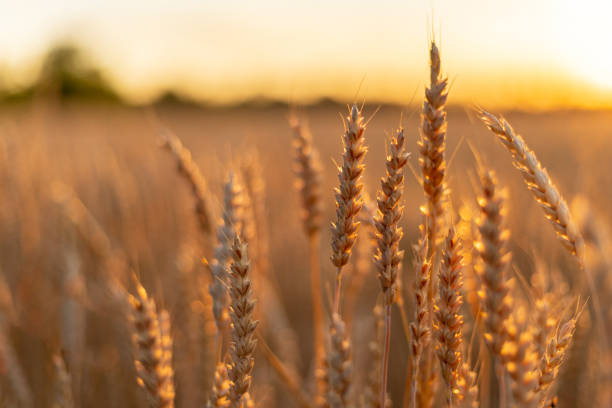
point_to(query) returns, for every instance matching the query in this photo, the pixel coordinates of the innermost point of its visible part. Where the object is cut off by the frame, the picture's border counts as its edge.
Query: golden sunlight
(584, 44)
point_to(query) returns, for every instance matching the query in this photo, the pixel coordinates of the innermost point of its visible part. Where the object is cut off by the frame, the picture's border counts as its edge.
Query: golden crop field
(501, 312)
(339, 204)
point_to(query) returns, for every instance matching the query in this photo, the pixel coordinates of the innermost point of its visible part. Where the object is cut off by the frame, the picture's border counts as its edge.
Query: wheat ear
(539, 183)
(308, 172)
(227, 230)
(348, 196)
(152, 346)
(520, 359)
(495, 296)
(62, 397)
(388, 235)
(190, 171)
(308, 175)
(420, 328)
(243, 324)
(449, 327)
(339, 363)
(432, 147)
(220, 389)
(556, 353)
(552, 202)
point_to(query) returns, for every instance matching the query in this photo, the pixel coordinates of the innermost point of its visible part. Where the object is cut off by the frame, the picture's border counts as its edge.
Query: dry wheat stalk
(348, 195)
(388, 256)
(521, 360)
(339, 364)
(192, 174)
(62, 397)
(449, 319)
(556, 353)
(219, 396)
(153, 349)
(420, 328)
(243, 324)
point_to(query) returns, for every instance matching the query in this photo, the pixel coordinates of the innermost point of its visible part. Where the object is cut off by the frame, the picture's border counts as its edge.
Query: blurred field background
(87, 188)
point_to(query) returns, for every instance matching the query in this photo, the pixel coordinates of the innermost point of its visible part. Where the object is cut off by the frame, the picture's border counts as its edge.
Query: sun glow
(584, 44)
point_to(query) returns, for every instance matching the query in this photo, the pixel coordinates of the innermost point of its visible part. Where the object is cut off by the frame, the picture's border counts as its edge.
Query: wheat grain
(243, 324)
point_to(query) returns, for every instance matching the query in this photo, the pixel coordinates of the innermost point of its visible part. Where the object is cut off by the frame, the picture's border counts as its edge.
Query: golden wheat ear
(243, 324)
(152, 348)
(348, 195)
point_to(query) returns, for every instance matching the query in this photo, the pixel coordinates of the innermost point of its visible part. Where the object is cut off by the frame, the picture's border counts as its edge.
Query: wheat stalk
(348, 196)
(152, 349)
(243, 324)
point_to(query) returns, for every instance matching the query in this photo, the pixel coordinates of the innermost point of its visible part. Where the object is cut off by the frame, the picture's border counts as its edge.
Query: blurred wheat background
(110, 248)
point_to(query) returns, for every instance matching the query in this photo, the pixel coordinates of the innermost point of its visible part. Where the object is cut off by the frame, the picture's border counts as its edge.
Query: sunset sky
(521, 53)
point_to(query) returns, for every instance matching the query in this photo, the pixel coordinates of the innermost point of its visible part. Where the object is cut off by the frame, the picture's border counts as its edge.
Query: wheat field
(323, 256)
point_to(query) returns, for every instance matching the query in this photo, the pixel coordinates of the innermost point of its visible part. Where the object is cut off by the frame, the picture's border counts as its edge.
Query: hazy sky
(522, 52)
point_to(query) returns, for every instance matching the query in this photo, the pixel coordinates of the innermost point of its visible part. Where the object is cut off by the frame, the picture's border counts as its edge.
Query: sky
(511, 54)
